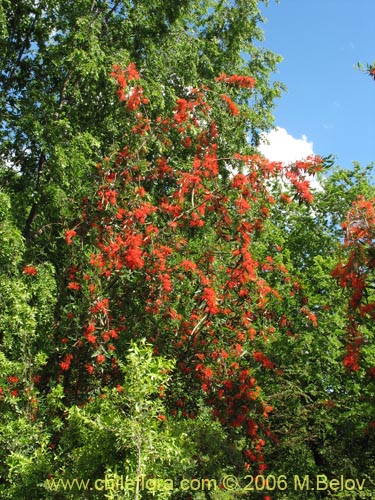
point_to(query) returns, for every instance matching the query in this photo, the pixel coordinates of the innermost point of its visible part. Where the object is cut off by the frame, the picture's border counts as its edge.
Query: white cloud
(278, 145)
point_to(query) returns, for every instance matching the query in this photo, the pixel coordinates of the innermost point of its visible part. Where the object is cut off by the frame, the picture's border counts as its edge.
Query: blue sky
(330, 106)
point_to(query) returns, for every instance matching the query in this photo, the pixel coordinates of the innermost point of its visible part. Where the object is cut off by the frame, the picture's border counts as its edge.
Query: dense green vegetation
(180, 318)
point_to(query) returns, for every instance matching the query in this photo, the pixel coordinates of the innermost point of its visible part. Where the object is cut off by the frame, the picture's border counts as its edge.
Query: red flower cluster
(69, 235)
(262, 358)
(233, 109)
(73, 285)
(133, 97)
(133, 256)
(209, 295)
(238, 80)
(143, 211)
(303, 187)
(30, 270)
(122, 75)
(65, 363)
(100, 306)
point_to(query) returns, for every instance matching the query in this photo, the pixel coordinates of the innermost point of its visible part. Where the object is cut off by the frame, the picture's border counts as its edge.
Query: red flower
(228, 384)
(105, 336)
(141, 191)
(262, 468)
(73, 285)
(166, 282)
(31, 270)
(233, 109)
(186, 142)
(12, 379)
(131, 72)
(133, 256)
(134, 99)
(69, 235)
(238, 80)
(90, 328)
(101, 306)
(209, 295)
(181, 111)
(113, 334)
(252, 427)
(188, 265)
(109, 196)
(143, 211)
(285, 198)
(89, 368)
(259, 356)
(238, 421)
(242, 205)
(210, 163)
(65, 363)
(90, 338)
(351, 361)
(195, 220)
(100, 358)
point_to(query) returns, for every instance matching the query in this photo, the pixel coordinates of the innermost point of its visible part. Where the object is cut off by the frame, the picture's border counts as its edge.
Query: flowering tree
(170, 248)
(320, 407)
(356, 275)
(356, 272)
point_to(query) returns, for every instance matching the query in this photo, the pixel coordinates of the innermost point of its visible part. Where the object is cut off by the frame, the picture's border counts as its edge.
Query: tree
(172, 249)
(355, 273)
(322, 412)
